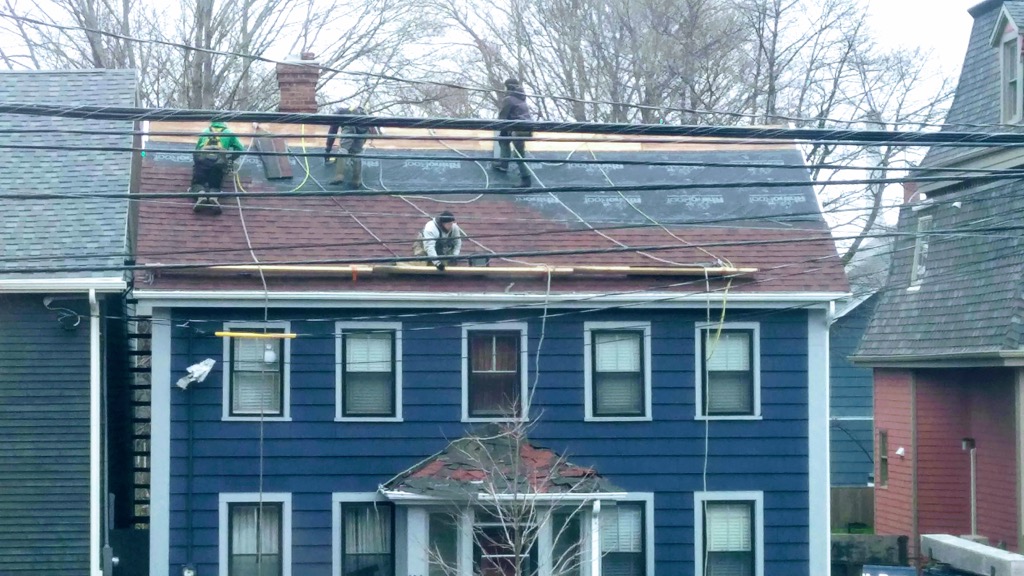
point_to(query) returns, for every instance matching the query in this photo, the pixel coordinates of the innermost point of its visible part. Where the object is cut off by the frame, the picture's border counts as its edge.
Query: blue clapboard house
(674, 399)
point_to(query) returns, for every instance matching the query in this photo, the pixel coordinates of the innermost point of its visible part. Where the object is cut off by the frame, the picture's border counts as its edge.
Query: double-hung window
(494, 372)
(920, 264)
(617, 373)
(255, 534)
(729, 533)
(1011, 77)
(622, 540)
(367, 539)
(256, 371)
(369, 371)
(728, 377)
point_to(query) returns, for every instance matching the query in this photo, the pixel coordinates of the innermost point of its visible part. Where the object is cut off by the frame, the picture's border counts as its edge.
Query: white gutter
(549, 497)
(94, 434)
(149, 299)
(53, 285)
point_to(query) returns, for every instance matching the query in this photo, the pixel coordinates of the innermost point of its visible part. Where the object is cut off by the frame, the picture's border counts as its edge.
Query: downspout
(94, 433)
(595, 539)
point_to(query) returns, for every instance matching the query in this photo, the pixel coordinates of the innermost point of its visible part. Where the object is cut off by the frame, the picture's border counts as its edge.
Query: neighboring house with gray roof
(61, 318)
(945, 341)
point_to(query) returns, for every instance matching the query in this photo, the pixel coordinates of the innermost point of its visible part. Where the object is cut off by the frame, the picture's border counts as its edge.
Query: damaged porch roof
(497, 462)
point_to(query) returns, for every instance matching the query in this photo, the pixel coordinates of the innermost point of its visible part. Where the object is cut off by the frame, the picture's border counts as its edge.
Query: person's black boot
(525, 182)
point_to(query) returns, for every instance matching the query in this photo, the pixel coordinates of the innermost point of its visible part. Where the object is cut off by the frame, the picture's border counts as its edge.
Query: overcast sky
(940, 25)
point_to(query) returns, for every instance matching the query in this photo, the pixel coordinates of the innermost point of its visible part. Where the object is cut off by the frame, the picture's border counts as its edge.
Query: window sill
(368, 419)
(617, 419)
(752, 417)
(256, 419)
(496, 420)
(914, 287)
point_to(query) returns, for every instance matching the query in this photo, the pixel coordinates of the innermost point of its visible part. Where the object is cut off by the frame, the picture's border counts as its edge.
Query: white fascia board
(55, 285)
(149, 299)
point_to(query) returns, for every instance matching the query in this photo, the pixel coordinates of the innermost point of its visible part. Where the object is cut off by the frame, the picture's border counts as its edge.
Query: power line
(848, 136)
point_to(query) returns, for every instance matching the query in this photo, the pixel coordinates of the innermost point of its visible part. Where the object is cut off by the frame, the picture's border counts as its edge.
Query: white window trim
(283, 498)
(339, 330)
(286, 414)
(1011, 35)
(921, 241)
(545, 541)
(699, 372)
(700, 498)
(340, 498)
(588, 367)
(524, 367)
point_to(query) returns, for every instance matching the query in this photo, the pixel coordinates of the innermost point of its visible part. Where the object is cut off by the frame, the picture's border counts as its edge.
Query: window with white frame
(617, 371)
(567, 544)
(442, 544)
(502, 547)
(920, 265)
(367, 539)
(255, 534)
(256, 372)
(622, 540)
(728, 379)
(494, 372)
(729, 533)
(1011, 77)
(369, 377)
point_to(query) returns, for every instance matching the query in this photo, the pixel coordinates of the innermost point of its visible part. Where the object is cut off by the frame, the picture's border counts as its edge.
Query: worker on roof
(514, 107)
(348, 165)
(213, 157)
(441, 236)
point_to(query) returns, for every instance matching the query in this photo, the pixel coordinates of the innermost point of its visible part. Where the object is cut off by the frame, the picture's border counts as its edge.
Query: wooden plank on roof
(275, 167)
(410, 269)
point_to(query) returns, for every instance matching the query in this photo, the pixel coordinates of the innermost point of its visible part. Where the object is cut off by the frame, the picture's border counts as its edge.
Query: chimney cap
(303, 58)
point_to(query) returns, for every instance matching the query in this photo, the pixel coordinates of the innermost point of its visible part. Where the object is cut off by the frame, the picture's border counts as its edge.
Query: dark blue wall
(44, 439)
(313, 456)
(851, 399)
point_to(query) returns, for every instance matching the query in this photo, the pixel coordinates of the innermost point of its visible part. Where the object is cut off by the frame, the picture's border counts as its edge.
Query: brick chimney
(297, 78)
(909, 190)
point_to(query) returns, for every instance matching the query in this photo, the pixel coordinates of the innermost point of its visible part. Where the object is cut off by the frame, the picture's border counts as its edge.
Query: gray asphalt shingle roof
(80, 231)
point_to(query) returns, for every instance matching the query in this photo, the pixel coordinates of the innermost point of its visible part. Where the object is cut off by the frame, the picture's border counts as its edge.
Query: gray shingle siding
(969, 301)
(44, 424)
(75, 231)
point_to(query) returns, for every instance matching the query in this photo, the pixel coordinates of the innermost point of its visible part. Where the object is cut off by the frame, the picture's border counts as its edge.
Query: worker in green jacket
(214, 156)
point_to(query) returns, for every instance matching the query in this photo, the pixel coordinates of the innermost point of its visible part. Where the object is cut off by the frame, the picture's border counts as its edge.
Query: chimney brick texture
(297, 83)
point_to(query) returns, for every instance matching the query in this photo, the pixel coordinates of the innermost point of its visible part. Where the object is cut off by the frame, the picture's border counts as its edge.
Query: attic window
(924, 226)
(1011, 78)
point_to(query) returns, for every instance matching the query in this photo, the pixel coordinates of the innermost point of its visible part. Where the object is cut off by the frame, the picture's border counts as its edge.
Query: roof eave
(62, 285)
(149, 299)
(952, 360)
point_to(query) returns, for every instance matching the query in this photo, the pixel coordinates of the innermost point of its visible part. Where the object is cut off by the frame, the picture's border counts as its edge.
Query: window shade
(367, 529)
(729, 393)
(621, 529)
(249, 355)
(256, 392)
(368, 352)
(730, 351)
(617, 351)
(244, 520)
(728, 527)
(618, 394)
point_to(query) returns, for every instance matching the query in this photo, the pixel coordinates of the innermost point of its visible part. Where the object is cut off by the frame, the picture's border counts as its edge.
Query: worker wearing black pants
(514, 107)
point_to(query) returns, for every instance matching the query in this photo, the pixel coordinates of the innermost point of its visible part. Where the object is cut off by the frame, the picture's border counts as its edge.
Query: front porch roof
(497, 463)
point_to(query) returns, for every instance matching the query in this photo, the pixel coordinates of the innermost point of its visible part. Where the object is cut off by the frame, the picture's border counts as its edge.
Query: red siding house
(946, 341)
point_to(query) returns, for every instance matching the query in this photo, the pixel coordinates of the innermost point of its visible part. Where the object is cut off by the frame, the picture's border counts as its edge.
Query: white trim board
(149, 299)
(160, 445)
(226, 498)
(757, 497)
(397, 366)
(53, 285)
(818, 431)
(286, 361)
(588, 367)
(524, 367)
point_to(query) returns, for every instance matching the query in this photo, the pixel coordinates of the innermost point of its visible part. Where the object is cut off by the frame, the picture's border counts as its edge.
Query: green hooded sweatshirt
(227, 140)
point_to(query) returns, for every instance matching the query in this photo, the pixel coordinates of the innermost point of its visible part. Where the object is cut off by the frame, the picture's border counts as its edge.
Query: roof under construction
(759, 236)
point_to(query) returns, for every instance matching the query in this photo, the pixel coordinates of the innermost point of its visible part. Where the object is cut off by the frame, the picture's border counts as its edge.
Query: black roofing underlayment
(439, 169)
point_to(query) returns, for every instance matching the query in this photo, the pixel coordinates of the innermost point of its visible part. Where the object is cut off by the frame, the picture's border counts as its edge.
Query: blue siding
(44, 427)
(313, 456)
(851, 389)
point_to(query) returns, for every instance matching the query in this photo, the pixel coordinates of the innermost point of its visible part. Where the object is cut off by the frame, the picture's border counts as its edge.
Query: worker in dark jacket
(514, 107)
(348, 165)
(213, 157)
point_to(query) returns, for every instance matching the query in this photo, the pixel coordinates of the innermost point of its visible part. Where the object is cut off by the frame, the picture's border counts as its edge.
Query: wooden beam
(491, 271)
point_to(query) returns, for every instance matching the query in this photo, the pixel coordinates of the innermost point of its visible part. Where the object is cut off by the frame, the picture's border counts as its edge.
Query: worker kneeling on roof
(214, 157)
(440, 237)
